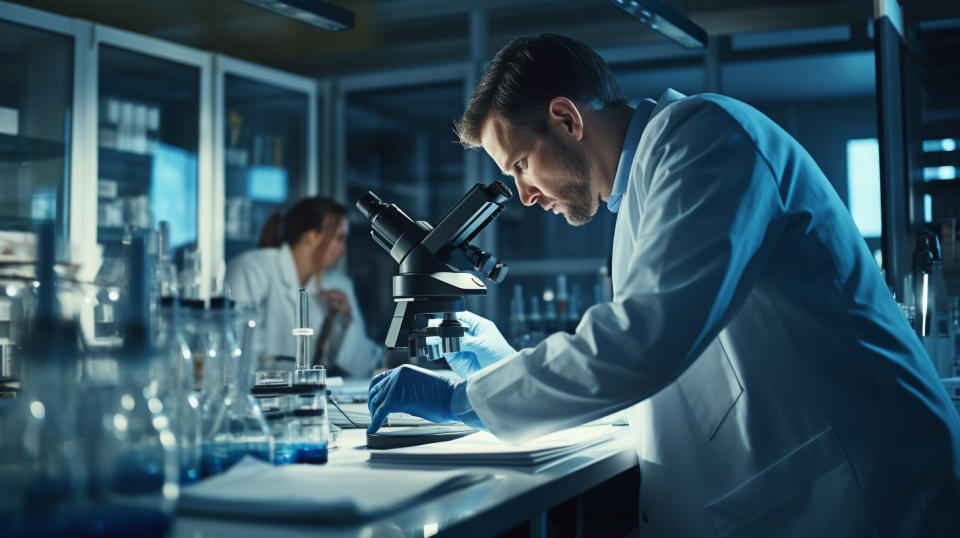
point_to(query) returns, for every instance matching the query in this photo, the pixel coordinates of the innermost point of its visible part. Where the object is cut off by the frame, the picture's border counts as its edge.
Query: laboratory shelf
(125, 159)
(25, 148)
(111, 234)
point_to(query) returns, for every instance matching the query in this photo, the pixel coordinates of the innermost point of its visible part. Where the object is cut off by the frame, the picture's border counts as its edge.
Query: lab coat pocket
(812, 491)
(711, 387)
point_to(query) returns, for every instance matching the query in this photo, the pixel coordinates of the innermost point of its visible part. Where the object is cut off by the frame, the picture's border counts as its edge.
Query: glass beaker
(310, 412)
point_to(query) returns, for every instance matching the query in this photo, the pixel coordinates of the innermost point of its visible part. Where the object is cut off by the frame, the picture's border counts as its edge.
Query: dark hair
(315, 213)
(527, 74)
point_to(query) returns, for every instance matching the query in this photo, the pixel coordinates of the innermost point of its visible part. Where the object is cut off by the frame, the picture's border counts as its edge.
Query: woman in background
(299, 249)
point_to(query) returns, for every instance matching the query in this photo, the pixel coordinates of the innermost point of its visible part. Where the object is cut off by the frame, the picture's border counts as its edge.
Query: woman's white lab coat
(781, 391)
(268, 275)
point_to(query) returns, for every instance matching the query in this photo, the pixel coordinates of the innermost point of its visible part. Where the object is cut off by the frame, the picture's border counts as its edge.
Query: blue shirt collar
(637, 124)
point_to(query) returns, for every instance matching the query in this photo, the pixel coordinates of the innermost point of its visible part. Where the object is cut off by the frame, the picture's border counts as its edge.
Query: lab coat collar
(288, 269)
(646, 109)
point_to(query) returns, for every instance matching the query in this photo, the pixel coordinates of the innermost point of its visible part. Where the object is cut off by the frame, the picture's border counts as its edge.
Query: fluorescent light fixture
(935, 173)
(946, 144)
(863, 185)
(314, 12)
(657, 15)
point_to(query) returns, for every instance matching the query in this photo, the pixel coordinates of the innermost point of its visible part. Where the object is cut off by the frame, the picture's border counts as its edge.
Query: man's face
(549, 169)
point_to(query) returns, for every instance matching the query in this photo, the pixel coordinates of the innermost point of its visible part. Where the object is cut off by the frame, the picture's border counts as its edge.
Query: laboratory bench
(514, 501)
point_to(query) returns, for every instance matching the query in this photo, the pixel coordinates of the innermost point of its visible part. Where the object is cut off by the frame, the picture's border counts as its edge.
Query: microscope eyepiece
(500, 191)
(370, 204)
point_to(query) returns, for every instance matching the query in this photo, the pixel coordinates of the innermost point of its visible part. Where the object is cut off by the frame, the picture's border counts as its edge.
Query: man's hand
(410, 389)
(337, 302)
(481, 346)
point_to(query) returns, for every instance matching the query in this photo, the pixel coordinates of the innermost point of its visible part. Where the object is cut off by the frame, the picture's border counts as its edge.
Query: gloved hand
(481, 345)
(411, 389)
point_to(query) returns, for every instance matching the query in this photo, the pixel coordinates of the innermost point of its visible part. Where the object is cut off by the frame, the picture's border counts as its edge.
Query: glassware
(310, 412)
(133, 456)
(519, 331)
(285, 445)
(535, 320)
(177, 391)
(233, 424)
(40, 470)
(572, 317)
(190, 277)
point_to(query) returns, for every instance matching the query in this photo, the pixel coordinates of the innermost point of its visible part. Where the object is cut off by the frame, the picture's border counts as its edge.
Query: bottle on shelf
(550, 320)
(519, 330)
(535, 321)
(572, 317)
(562, 299)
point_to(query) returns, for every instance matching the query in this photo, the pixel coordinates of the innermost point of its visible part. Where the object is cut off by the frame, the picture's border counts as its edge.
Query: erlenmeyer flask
(233, 425)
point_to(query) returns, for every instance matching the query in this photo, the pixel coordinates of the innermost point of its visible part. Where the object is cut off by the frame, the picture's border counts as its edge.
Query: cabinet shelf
(25, 148)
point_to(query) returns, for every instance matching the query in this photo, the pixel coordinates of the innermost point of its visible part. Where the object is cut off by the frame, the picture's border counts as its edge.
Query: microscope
(430, 283)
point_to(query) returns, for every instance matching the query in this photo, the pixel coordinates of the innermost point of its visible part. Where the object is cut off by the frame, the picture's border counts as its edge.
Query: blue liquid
(312, 453)
(134, 476)
(218, 457)
(188, 475)
(284, 453)
(118, 521)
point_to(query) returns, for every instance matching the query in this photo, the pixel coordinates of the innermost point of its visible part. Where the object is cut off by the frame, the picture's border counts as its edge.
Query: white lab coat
(268, 275)
(781, 391)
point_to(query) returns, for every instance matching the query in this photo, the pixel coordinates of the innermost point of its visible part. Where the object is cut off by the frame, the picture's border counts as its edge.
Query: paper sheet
(482, 448)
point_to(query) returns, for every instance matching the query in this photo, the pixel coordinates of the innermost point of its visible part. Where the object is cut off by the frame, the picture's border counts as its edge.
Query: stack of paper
(482, 448)
(254, 489)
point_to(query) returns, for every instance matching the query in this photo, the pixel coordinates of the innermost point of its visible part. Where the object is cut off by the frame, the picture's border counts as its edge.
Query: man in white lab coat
(776, 388)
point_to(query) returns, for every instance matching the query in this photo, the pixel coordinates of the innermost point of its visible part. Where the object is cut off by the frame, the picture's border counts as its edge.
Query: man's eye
(518, 166)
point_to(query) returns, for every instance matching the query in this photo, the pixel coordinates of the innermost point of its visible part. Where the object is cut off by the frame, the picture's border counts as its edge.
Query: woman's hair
(315, 213)
(527, 74)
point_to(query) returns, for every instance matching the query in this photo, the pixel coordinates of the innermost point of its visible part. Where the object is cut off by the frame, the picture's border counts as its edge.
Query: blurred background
(211, 115)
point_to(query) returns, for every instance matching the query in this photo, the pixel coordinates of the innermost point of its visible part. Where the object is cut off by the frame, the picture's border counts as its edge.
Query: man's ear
(563, 113)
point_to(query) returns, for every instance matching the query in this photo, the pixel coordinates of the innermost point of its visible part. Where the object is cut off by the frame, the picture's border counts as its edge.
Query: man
(781, 392)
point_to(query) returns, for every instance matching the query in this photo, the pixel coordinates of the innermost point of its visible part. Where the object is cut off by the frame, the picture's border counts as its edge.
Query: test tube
(303, 331)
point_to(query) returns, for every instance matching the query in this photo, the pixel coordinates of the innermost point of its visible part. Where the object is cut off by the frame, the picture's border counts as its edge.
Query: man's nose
(528, 193)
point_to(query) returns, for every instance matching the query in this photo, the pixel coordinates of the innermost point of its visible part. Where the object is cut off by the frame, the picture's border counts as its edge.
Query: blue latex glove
(481, 345)
(411, 389)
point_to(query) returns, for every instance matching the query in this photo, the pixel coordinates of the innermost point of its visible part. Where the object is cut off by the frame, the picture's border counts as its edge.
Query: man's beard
(574, 195)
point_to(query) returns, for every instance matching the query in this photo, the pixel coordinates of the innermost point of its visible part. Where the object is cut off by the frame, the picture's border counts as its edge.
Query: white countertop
(513, 496)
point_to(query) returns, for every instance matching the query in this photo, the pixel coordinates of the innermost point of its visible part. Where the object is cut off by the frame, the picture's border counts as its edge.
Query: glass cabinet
(36, 111)
(267, 130)
(148, 144)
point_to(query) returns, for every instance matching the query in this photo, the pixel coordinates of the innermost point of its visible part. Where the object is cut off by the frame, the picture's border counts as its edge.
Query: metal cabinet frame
(76, 29)
(147, 46)
(81, 183)
(223, 66)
